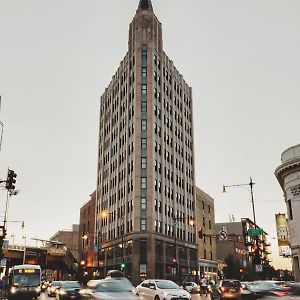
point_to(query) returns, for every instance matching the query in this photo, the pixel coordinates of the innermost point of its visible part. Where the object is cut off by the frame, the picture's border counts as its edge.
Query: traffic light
(174, 260)
(10, 181)
(122, 265)
(200, 233)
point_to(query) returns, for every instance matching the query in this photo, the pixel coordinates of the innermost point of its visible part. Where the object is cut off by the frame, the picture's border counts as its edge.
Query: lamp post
(251, 183)
(24, 254)
(105, 214)
(97, 238)
(176, 260)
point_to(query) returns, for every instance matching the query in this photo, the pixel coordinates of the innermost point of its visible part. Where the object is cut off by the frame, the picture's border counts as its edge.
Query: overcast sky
(56, 58)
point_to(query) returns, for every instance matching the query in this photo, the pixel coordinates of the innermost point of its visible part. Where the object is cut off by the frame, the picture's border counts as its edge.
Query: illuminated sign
(282, 235)
(27, 271)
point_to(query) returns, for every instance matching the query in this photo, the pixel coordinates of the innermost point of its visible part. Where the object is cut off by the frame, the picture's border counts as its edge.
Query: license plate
(232, 290)
(73, 297)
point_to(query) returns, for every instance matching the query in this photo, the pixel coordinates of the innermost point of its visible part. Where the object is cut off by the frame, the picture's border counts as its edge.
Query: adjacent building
(207, 252)
(288, 175)
(87, 239)
(69, 238)
(145, 185)
(242, 246)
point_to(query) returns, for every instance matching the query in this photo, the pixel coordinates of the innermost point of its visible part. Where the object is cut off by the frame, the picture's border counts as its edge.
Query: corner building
(146, 162)
(288, 176)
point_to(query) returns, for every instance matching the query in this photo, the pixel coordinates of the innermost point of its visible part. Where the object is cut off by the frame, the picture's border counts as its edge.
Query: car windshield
(56, 283)
(71, 285)
(166, 285)
(231, 283)
(116, 285)
(27, 280)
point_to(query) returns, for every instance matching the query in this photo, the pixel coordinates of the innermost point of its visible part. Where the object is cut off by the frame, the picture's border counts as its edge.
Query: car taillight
(241, 289)
(222, 289)
(279, 294)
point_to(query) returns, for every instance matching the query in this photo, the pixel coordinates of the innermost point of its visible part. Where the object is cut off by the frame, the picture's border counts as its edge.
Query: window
(143, 182)
(143, 203)
(144, 89)
(144, 54)
(144, 144)
(144, 72)
(143, 225)
(144, 106)
(143, 162)
(290, 209)
(144, 125)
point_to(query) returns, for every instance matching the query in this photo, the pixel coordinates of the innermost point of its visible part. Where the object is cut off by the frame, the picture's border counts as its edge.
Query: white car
(159, 289)
(191, 287)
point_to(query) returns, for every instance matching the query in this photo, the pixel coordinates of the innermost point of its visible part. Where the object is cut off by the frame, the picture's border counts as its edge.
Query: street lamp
(96, 238)
(24, 254)
(105, 214)
(251, 183)
(175, 259)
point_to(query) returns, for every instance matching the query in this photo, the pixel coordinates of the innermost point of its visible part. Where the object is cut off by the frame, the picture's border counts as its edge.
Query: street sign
(222, 235)
(255, 231)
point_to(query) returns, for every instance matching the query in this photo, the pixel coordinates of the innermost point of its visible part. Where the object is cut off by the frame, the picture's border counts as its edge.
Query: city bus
(24, 282)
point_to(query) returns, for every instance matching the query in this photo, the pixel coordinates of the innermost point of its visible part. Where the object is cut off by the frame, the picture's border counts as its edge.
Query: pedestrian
(203, 286)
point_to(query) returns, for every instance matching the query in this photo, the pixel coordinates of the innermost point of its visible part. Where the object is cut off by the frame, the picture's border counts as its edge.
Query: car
(52, 288)
(191, 287)
(158, 289)
(264, 288)
(114, 274)
(117, 288)
(226, 289)
(69, 290)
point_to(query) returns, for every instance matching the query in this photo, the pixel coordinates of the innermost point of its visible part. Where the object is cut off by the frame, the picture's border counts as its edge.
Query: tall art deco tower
(145, 184)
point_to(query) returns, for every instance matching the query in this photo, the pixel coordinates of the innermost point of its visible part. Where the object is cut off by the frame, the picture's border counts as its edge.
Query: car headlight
(38, 289)
(52, 289)
(62, 292)
(13, 290)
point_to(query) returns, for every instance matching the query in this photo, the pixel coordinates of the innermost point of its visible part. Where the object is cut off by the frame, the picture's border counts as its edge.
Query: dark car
(69, 290)
(53, 287)
(226, 289)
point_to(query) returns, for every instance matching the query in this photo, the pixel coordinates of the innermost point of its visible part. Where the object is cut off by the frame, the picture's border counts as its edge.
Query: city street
(44, 296)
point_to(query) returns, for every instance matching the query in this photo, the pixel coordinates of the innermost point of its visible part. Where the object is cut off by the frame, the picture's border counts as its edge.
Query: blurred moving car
(226, 289)
(69, 290)
(191, 287)
(294, 291)
(267, 288)
(118, 288)
(52, 288)
(161, 289)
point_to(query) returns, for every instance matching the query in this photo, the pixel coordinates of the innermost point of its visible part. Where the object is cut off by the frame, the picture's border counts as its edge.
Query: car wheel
(156, 298)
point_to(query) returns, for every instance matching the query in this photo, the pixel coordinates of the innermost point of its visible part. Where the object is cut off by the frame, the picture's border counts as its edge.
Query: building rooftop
(145, 4)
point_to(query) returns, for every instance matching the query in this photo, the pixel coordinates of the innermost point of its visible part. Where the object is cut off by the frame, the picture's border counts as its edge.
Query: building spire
(145, 4)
